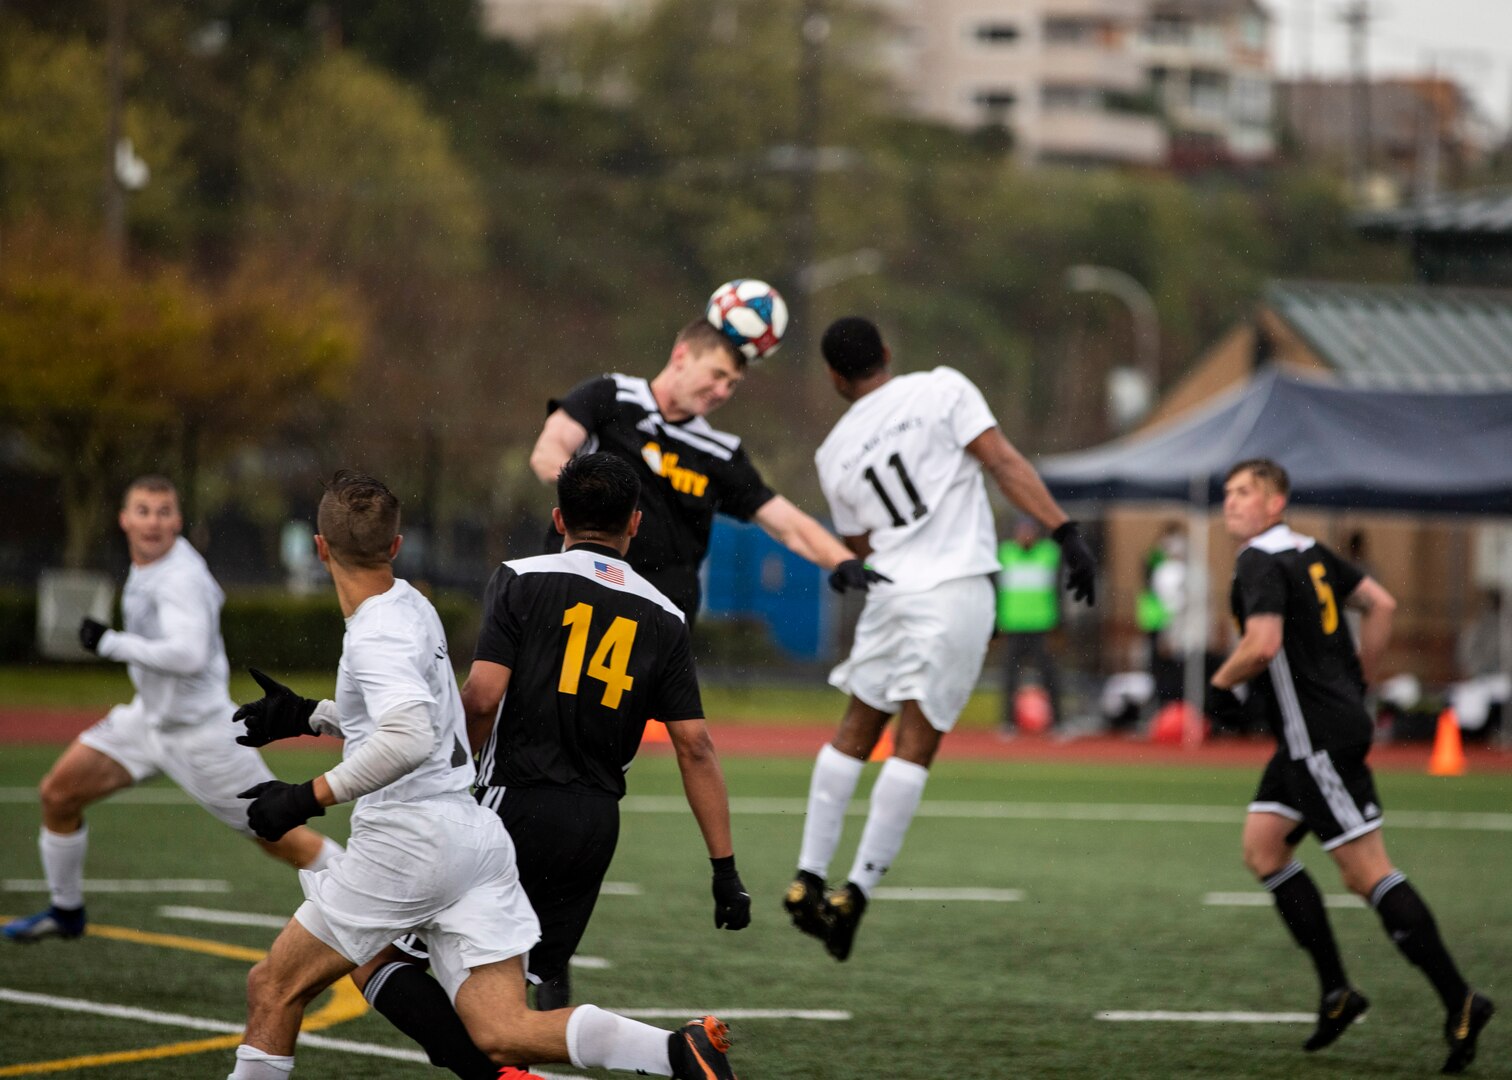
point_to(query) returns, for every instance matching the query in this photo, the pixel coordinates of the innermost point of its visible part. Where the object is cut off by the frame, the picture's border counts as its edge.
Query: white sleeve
(402, 743)
(184, 647)
(325, 720)
(967, 411)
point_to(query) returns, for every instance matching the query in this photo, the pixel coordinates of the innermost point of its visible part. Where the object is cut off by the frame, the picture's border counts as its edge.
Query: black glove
(90, 633)
(1081, 565)
(732, 904)
(1224, 707)
(279, 714)
(855, 574)
(278, 807)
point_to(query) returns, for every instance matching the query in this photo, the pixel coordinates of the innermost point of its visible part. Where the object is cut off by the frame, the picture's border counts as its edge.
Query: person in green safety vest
(1159, 604)
(1028, 608)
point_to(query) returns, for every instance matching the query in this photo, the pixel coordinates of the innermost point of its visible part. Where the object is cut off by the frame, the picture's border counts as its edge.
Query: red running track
(57, 727)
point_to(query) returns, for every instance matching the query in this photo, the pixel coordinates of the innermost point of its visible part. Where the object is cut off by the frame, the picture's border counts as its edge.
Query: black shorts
(564, 842)
(1329, 793)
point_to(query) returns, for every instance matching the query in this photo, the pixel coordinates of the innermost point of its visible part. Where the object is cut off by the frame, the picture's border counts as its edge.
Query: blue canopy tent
(1344, 447)
(1365, 449)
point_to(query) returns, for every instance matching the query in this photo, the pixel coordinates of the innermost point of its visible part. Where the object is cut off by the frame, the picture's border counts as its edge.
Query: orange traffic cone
(656, 731)
(884, 748)
(1448, 753)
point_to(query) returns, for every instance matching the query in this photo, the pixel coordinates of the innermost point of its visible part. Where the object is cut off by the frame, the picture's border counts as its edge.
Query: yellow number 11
(610, 659)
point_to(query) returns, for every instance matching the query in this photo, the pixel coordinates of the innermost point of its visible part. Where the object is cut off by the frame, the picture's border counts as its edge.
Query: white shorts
(443, 868)
(204, 759)
(925, 646)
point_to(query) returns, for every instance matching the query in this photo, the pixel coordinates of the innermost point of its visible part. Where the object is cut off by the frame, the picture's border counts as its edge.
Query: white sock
(63, 865)
(255, 1064)
(830, 790)
(894, 799)
(599, 1039)
(329, 850)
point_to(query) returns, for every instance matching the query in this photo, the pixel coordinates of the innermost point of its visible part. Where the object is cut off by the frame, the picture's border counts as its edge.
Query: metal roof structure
(1481, 212)
(1403, 337)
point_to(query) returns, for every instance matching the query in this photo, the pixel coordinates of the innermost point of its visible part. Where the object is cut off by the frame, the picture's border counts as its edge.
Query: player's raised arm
(803, 536)
(560, 438)
(1017, 479)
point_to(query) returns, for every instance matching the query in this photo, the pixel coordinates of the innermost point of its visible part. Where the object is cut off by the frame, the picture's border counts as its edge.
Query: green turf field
(1112, 918)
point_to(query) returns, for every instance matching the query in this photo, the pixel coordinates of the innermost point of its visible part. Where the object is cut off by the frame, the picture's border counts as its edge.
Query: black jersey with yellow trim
(594, 651)
(689, 471)
(1313, 692)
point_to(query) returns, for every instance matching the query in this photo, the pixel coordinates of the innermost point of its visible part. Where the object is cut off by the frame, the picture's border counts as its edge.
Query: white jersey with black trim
(895, 467)
(395, 654)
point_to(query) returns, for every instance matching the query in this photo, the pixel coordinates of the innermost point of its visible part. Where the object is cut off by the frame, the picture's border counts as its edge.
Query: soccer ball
(752, 314)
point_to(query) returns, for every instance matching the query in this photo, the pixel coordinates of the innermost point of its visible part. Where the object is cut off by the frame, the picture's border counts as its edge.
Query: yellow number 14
(1330, 612)
(610, 660)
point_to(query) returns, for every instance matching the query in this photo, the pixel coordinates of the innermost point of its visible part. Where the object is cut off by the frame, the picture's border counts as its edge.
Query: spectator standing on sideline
(902, 471)
(424, 856)
(1288, 596)
(1028, 609)
(554, 763)
(175, 725)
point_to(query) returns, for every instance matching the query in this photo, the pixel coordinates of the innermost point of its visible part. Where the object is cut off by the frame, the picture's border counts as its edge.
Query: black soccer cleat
(843, 909)
(1462, 1028)
(804, 901)
(1339, 1009)
(697, 1050)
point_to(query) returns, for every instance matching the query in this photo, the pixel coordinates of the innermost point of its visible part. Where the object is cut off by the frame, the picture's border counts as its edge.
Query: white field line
(1264, 899)
(591, 963)
(1157, 1016)
(620, 888)
(995, 896)
(223, 918)
(950, 809)
(735, 1014)
(135, 885)
(325, 1042)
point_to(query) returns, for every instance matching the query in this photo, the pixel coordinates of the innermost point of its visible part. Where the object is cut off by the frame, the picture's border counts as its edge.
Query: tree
(109, 371)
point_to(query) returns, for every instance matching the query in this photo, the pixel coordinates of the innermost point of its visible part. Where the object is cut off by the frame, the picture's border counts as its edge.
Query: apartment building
(1208, 63)
(1062, 77)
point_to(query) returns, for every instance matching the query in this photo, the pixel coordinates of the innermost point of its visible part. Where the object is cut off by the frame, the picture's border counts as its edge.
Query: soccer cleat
(509, 1072)
(1462, 1028)
(54, 922)
(842, 913)
(804, 901)
(1339, 1009)
(697, 1050)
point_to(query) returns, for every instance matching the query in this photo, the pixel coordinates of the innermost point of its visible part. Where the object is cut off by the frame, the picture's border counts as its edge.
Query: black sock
(417, 1005)
(1410, 924)
(555, 992)
(1300, 906)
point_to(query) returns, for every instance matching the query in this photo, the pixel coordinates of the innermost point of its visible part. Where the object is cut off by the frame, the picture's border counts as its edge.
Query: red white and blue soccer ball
(752, 314)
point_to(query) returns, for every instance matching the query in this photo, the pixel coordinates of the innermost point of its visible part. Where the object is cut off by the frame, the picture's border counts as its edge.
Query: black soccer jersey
(594, 652)
(1313, 693)
(688, 471)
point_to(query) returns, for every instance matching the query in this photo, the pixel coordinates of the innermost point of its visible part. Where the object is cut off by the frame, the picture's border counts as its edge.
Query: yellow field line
(347, 1003)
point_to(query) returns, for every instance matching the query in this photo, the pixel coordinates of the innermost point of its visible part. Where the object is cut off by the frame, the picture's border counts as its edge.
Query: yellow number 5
(1330, 613)
(610, 660)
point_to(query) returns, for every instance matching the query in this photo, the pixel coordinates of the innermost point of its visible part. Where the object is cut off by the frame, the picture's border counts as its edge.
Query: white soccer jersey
(394, 654)
(896, 467)
(172, 644)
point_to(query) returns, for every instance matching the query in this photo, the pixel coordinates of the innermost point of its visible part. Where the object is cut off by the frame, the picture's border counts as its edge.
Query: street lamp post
(1135, 386)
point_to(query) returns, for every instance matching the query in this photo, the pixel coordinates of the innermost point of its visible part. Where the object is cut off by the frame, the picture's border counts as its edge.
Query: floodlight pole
(1105, 279)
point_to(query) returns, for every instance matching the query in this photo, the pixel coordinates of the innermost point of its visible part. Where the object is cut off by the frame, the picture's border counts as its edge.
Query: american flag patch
(608, 572)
